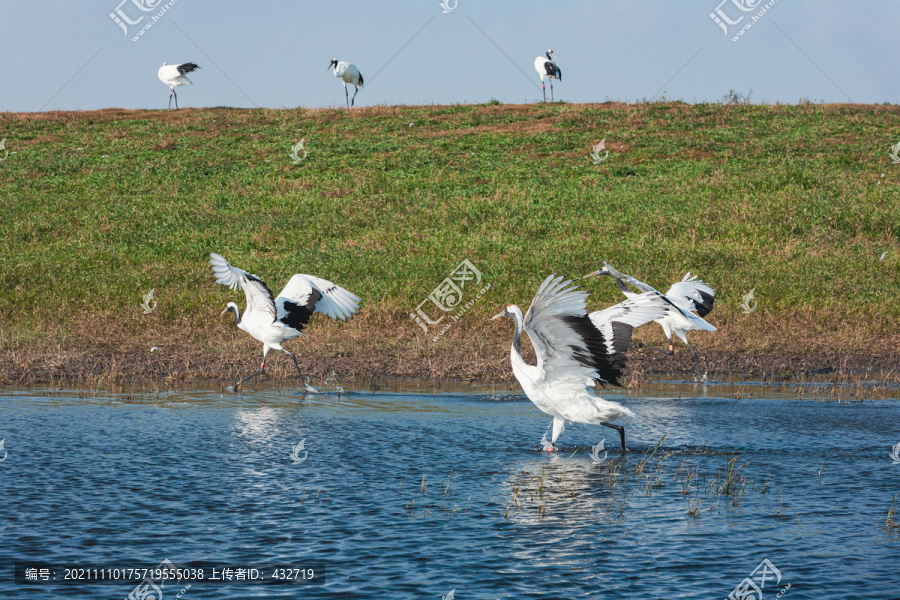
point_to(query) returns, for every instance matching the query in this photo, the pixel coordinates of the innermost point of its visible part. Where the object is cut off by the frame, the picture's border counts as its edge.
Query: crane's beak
(503, 313)
(597, 273)
(224, 311)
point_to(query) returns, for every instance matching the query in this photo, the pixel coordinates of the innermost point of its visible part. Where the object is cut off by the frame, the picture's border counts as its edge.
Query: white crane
(688, 296)
(573, 350)
(348, 73)
(274, 321)
(174, 75)
(547, 69)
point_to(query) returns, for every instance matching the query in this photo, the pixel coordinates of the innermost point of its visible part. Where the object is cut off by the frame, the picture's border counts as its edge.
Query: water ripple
(202, 476)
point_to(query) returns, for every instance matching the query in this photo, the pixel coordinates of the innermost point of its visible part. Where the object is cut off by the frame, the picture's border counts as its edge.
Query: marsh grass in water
(890, 523)
(706, 489)
(442, 506)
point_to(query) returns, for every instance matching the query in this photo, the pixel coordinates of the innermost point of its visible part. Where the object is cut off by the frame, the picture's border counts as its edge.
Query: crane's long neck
(622, 285)
(237, 313)
(516, 351)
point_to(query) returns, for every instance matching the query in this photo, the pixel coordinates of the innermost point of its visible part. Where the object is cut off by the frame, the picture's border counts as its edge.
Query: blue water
(199, 476)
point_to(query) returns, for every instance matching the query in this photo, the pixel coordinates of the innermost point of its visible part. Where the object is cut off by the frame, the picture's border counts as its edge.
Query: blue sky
(70, 55)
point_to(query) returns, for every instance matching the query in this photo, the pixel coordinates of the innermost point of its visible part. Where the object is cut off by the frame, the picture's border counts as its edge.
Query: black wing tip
(187, 67)
(361, 79)
(621, 336)
(705, 307)
(298, 314)
(262, 283)
(313, 299)
(610, 367)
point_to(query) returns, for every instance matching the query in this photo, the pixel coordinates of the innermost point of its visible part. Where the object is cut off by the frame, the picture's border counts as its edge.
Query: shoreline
(178, 364)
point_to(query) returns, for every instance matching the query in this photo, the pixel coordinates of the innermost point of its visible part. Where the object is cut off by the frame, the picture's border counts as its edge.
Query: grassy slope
(789, 200)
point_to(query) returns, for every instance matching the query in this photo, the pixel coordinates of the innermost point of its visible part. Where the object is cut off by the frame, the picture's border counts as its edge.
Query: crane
(547, 69)
(688, 296)
(173, 76)
(274, 321)
(348, 73)
(574, 350)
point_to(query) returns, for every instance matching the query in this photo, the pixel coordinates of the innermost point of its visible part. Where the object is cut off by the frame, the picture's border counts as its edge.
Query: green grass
(789, 200)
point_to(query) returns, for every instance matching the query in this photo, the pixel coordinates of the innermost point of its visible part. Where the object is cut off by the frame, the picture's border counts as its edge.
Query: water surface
(201, 476)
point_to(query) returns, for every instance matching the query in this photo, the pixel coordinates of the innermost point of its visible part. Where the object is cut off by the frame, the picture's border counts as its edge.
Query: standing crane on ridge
(173, 76)
(547, 69)
(348, 73)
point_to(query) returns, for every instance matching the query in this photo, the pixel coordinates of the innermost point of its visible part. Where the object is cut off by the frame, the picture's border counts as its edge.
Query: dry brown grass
(384, 343)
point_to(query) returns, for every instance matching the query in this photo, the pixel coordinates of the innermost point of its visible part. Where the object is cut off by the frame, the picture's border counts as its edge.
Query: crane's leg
(307, 388)
(352, 102)
(670, 351)
(347, 95)
(544, 89)
(621, 431)
(262, 369)
(174, 93)
(171, 91)
(552, 99)
(696, 361)
(559, 425)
